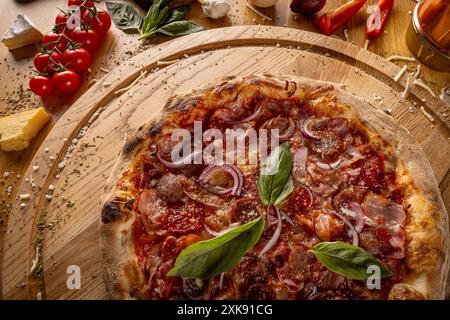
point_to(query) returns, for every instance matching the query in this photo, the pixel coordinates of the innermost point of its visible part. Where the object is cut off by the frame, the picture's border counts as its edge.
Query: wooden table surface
(118, 47)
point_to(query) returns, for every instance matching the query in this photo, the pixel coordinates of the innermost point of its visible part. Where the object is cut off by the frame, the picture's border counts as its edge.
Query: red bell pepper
(378, 18)
(331, 21)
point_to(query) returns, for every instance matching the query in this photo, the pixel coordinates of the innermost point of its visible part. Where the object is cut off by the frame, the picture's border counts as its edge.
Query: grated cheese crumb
(426, 114)
(401, 73)
(397, 57)
(424, 86)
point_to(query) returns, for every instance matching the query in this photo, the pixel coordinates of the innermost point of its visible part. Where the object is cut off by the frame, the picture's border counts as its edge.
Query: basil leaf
(124, 16)
(275, 174)
(288, 188)
(347, 260)
(180, 28)
(178, 13)
(208, 258)
(151, 17)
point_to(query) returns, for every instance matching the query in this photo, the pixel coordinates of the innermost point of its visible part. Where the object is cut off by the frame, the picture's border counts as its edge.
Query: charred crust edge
(111, 212)
(132, 144)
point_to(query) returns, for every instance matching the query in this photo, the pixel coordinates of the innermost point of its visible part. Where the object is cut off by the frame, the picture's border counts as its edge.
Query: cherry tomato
(99, 21)
(50, 38)
(88, 38)
(67, 81)
(77, 59)
(43, 64)
(41, 85)
(77, 3)
(61, 18)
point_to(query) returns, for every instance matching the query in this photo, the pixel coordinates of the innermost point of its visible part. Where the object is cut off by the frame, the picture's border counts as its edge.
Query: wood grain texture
(70, 234)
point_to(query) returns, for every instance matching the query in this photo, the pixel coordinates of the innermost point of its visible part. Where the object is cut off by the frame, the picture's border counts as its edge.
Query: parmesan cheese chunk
(21, 33)
(17, 130)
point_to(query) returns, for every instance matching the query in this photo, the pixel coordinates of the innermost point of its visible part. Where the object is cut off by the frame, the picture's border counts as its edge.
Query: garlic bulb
(263, 3)
(215, 9)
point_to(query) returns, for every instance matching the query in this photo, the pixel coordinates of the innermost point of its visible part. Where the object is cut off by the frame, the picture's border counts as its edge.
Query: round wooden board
(67, 224)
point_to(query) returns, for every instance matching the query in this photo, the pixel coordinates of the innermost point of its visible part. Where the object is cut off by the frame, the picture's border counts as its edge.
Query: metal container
(428, 36)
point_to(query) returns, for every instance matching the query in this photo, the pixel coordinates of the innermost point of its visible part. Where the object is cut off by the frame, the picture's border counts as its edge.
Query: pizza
(341, 203)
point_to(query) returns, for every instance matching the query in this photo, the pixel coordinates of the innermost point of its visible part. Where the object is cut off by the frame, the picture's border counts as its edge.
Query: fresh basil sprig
(347, 260)
(125, 16)
(159, 19)
(275, 182)
(208, 258)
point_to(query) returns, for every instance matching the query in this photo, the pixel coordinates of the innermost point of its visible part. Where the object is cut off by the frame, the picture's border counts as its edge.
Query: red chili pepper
(331, 21)
(378, 18)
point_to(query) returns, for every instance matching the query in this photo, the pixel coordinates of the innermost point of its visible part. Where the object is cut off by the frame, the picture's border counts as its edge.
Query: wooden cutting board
(77, 156)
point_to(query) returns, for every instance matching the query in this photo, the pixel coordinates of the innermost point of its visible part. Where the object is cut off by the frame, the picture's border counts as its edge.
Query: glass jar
(428, 36)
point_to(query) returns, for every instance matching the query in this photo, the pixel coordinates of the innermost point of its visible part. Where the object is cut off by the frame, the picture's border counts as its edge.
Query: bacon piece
(147, 204)
(390, 217)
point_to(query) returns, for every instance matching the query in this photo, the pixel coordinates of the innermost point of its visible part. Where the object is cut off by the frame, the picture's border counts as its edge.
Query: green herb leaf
(180, 28)
(288, 188)
(178, 13)
(208, 258)
(125, 16)
(151, 18)
(275, 174)
(347, 260)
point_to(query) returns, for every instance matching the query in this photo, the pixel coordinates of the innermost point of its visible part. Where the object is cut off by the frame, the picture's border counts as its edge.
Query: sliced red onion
(300, 158)
(287, 218)
(353, 213)
(253, 116)
(352, 230)
(217, 234)
(276, 234)
(305, 129)
(177, 164)
(291, 92)
(289, 131)
(235, 172)
(329, 166)
(359, 220)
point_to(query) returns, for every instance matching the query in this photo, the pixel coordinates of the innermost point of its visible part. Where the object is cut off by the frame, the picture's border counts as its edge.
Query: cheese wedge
(17, 130)
(21, 33)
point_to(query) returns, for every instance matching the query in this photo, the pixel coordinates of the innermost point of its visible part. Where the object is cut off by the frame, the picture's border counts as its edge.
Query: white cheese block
(21, 33)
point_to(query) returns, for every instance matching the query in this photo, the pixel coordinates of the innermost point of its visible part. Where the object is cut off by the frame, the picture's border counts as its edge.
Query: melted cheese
(17, 130)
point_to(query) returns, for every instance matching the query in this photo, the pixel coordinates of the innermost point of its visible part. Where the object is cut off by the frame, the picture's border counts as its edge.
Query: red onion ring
(359, 224)
(329, 166)
(289, 131)
(355, 237)
(253, 116)
(290, 93)
(305, 130)
(178, 164)
(238, 179)
(300, 158)
(276, 234)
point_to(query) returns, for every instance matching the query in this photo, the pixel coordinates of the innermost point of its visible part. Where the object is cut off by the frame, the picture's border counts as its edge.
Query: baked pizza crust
(427, 222)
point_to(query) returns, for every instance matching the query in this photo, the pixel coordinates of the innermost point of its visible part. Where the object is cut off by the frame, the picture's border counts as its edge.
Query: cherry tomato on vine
(88, 4)
(41, 85)
(77, 59)
(67, 81)
(100, 21)
(61, 18)
(51, 38)
(88, 38)
(43, 64)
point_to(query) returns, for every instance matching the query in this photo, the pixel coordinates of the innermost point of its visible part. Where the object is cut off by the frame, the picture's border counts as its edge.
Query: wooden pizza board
(67, 224)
